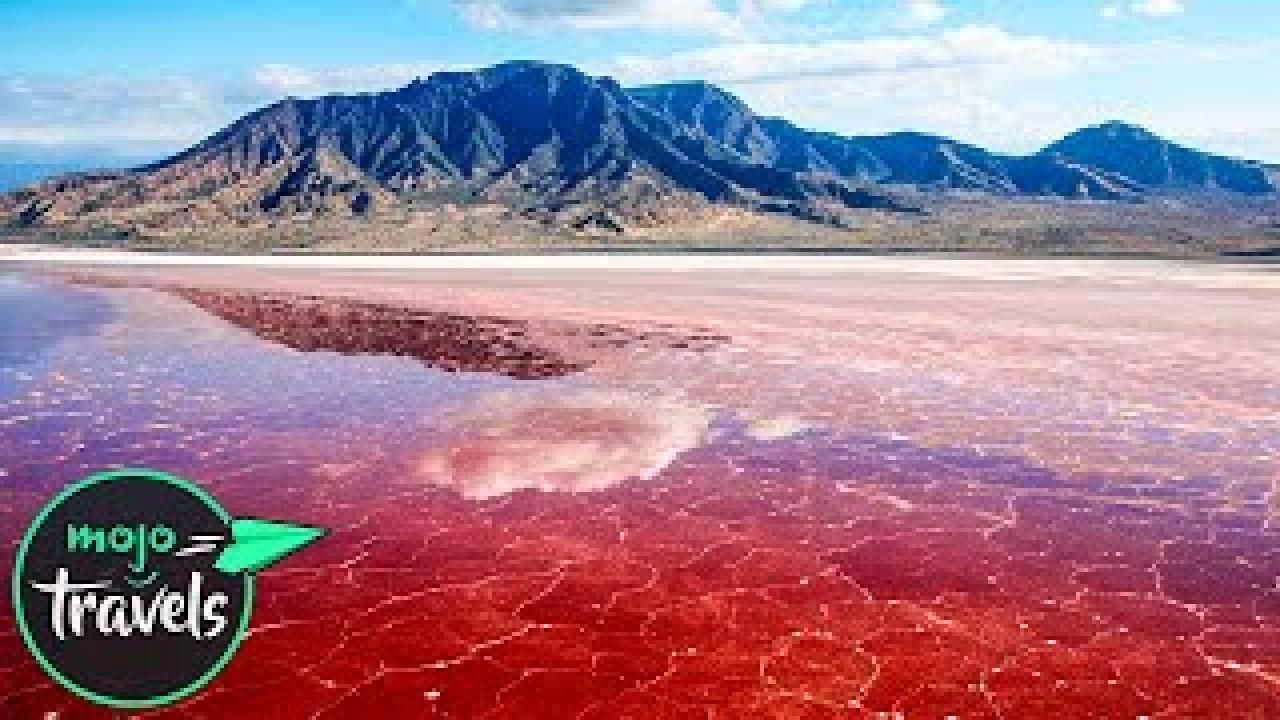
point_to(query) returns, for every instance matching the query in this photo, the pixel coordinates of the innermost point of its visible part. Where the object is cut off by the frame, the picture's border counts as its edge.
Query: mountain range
(548, 144)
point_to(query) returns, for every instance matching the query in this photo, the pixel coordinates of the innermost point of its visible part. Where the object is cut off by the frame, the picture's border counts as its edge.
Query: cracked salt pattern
(660, 497)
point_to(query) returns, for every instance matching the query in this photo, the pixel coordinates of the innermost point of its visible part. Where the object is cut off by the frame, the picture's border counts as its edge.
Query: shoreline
(1226, 272)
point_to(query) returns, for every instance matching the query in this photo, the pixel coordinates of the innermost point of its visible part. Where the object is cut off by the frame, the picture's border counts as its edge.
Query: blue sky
(152, 76)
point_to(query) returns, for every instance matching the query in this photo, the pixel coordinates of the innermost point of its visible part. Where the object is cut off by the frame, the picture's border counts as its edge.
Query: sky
(1013, 75)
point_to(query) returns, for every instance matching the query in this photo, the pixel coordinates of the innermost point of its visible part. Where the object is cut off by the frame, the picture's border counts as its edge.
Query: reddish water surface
(873, 494)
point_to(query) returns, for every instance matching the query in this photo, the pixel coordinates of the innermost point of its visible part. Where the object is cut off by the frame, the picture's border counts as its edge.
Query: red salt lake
(924, 489)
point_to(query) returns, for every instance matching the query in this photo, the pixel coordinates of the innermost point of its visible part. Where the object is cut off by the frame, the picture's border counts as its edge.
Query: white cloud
(104, 108)
(756, 18)
(967, 47)
(920, 13)
(979, 84)
(970, 82)
(704, 15)
(717, 17)
(166, 112)
(779, 5)
(1249, 143)
(1149, 8)
(1159, 7)
(283, 79)
(569, 442)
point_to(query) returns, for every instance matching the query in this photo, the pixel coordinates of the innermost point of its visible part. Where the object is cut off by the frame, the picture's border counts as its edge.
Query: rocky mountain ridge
(550, 146)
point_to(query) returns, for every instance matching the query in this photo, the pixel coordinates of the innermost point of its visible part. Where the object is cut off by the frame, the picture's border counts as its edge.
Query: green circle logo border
(20, 561)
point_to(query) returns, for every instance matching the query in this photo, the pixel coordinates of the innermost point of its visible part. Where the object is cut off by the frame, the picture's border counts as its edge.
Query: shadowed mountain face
(1112, 161)
(550, 142)
(1135, 153)
(543, 138)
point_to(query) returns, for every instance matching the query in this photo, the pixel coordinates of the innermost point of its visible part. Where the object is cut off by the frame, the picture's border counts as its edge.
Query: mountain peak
(1121, 125)
(537, 67)
(1116, 130)
(1137, 154)
(492, 76)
